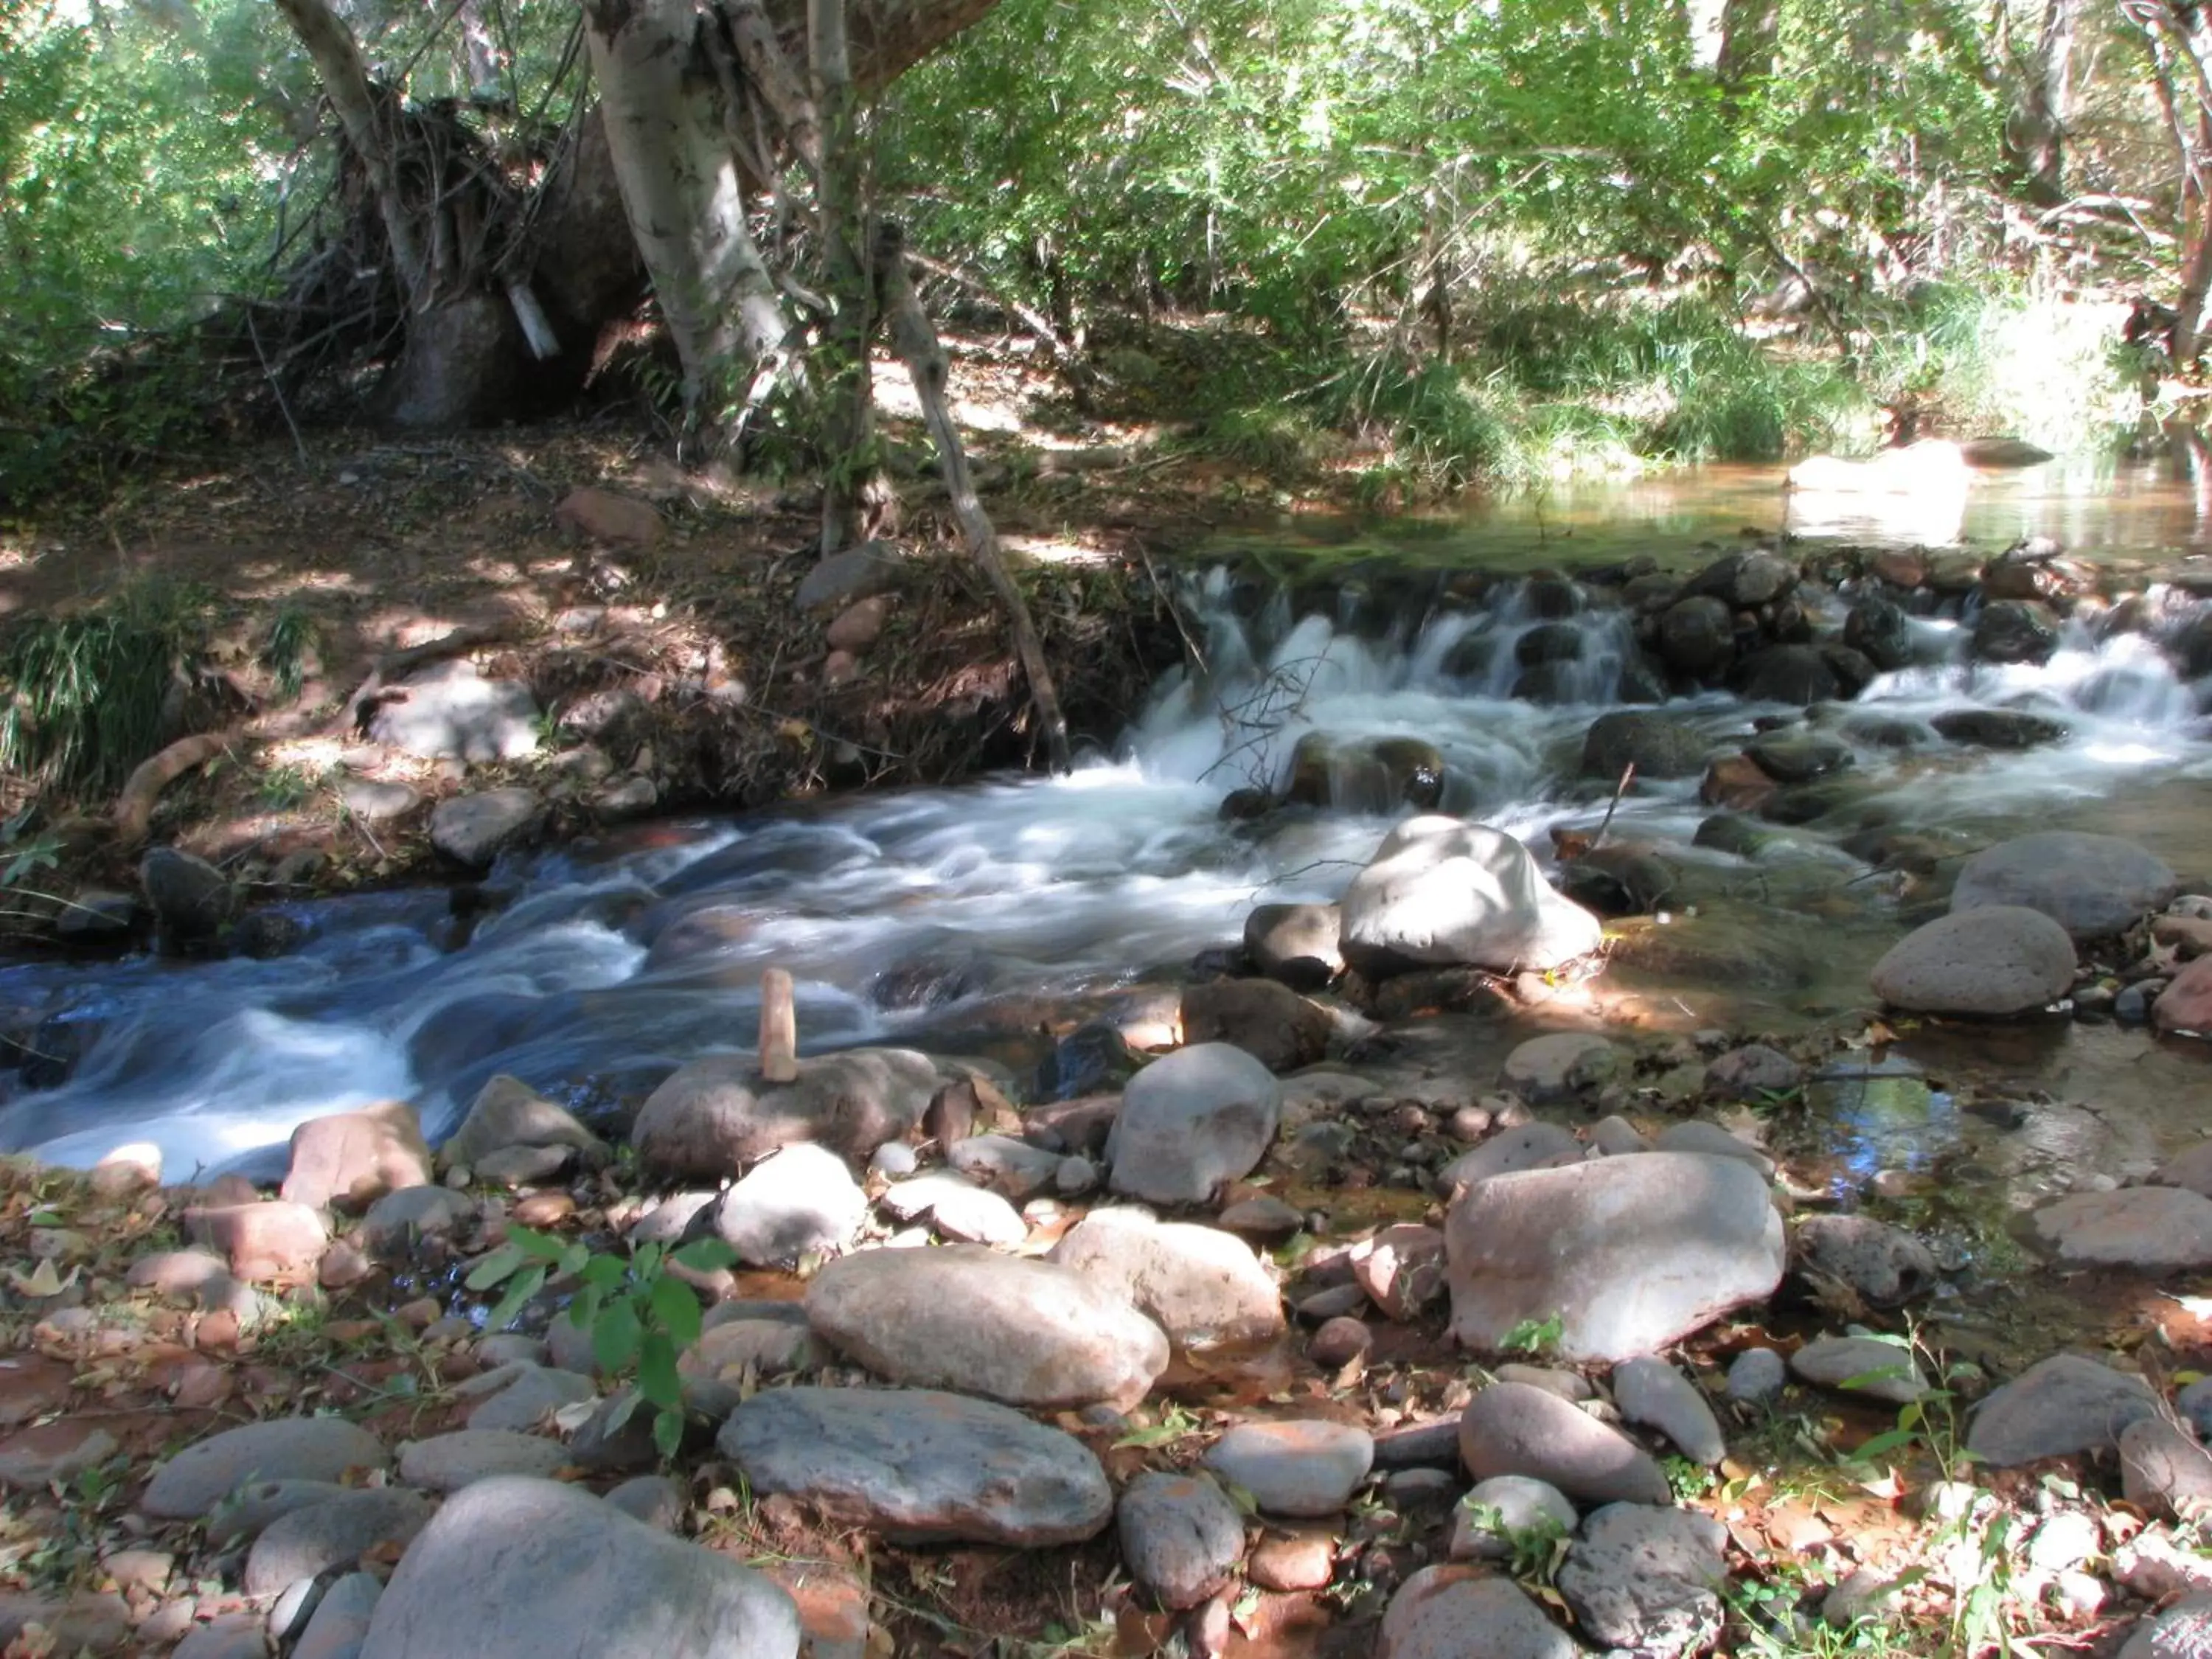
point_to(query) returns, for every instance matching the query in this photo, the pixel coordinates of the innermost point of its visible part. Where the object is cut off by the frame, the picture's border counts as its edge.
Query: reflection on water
(2097, 511)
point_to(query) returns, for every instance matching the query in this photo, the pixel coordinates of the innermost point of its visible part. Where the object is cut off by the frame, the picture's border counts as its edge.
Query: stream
(961, 920)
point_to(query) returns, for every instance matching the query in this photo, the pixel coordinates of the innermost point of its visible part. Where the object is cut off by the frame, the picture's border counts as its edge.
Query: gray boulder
(1995, 961)
(1862, 1366)
(447, 1462)
(1202, 1286)
(310, 1541)
(1538, 1145)
(283, 1449)
(1697, 637)
(1181, 1536)
(2164, 1469)
(1485, 1520)
(1294, 1468)
(2060, 1406)
(1448, 1612)
(522, 1569)
(1272, 1022)
(1647, 1581)
(1512, 1428)
(1030, 1333)
(1192, 1121)
(1651, 1392)
(2150, 1229)
(1560, 1065)
(2094, 886)
(190, 897)
(1443, 892)
(799, 1199)
(919, 1466)
(472, 830)
(2014, 631)
(1632, 1253)
(717, 1114)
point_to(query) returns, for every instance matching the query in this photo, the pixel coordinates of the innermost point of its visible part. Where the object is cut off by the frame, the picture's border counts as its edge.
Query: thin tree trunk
(848, 422)
(680, 189)
(2035, 131)
(363, 115)
(916, 341)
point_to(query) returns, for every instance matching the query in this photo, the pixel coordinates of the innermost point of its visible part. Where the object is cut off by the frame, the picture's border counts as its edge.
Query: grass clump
(88, 695)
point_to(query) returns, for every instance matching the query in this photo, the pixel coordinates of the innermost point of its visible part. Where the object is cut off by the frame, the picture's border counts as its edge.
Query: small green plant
(1687, 1479)
(638, 1312)
(85, 694)
(1535, 1336)
(292, 640)
(1533, 1553)
(284, 787)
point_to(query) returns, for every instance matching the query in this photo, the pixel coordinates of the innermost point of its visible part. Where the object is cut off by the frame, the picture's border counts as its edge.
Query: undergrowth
(87, 694)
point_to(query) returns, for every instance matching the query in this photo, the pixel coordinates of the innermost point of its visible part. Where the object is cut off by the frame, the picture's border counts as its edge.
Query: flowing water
(933, 916)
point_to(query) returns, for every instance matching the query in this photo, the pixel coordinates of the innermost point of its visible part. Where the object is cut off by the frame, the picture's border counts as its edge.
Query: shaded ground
(362, 545)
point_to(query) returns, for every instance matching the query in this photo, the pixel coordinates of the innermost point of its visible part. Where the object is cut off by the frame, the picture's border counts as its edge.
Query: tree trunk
(917, 343)
(680, 188)
(2043, 102)
(849, 390)
(1751, 33)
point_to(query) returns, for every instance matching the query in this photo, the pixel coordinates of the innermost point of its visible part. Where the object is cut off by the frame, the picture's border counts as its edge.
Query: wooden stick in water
(779, 1029)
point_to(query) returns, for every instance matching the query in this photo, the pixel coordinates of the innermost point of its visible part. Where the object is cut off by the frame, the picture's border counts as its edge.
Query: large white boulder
(1441, 892)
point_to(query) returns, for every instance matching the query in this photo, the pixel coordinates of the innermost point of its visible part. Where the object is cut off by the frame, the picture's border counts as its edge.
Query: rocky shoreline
(1300, 1340)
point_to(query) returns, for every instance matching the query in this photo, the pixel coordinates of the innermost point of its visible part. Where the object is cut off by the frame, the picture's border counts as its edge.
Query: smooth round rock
(920, 1467)
(1651, 1392)
(1560, 1066)
(310, 1542)
(1451, 1611)
(2060, 1406)
(1994, 961)
(515, 1568)
(1202, 1286)
(1860, 1365)
(1509, 1428)
(447, 1462)
(1757, 1377)
(285, 1449)
(798, 1201)
(1192, 1121)
(1443, 892)
(1647, 1581)
(2165, 1470)
(2150, 1229)
(1181, 1536)
(1025, 1332)
(1295, 1469)
(1489, 1514)
(2092, 887)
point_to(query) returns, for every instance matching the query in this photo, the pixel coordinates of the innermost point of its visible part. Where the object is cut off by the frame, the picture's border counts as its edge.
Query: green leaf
(538, 1247)
(656, 1371)
(604, 1273)
(584, 1311)
(615, 1336)
(573, 1258)
(525, 1285)
(647, 1265)
(1882, 1444)
(494, 1267)
(704, 1256)
(668, 1432)
(676, 1311)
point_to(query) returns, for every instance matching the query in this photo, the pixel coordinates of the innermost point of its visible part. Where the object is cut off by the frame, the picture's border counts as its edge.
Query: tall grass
(86, 694)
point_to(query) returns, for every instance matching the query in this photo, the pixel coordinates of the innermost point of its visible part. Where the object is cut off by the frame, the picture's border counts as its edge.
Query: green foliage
(1535, 1553)
(85, 694)
(640, 1315)
(1535, 1336)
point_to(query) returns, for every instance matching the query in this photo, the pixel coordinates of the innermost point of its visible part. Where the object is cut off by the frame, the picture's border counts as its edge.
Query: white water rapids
(1032, 887)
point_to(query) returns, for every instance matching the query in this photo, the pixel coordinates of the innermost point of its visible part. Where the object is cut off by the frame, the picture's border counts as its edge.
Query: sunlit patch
(2126, 754)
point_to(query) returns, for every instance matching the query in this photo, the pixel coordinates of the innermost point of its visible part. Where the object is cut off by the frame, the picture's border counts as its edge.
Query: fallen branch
(916, 341)
(134, 807)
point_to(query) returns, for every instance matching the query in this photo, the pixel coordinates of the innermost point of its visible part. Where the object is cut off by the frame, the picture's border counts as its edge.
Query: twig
(284, 407)
(1628, 776)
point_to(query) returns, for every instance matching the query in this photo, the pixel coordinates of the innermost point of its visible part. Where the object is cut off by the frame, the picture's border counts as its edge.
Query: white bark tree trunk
(680, 188)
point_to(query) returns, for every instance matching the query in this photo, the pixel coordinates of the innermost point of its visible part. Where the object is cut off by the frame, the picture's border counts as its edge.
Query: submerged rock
(2094, 886)
(1441, 891)
(1655, 746)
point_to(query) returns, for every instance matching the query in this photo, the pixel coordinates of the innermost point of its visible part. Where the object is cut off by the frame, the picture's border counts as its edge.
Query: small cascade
(1267, 770)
